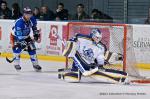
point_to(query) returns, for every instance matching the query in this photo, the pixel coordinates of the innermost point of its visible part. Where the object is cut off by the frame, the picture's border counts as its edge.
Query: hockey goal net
(118, 38)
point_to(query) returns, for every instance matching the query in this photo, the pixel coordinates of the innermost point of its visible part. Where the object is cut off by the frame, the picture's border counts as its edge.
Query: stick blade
(10, 61)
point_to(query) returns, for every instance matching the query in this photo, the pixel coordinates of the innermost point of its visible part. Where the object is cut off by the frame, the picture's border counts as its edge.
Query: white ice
(28, 84)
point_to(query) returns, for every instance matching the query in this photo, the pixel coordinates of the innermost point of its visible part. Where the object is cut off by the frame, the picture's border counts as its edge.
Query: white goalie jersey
(88, 50)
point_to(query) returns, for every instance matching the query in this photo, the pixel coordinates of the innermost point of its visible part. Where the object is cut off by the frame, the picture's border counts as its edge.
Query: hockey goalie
(89, 56)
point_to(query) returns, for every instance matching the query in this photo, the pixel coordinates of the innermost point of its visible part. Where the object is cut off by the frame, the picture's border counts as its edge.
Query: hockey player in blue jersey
(88, 54)
(21, 39)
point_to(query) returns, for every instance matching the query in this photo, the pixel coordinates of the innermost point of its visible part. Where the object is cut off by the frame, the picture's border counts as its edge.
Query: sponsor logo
(142, 43)
(53, 35)
(53, 48)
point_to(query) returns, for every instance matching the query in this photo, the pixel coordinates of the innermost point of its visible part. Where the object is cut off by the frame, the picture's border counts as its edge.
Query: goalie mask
(96, 35)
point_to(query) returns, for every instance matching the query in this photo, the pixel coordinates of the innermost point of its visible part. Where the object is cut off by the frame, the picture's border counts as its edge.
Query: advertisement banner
(48, 44)
(52, 42)
(141, 43)
(6, 26)
(0, 37)
(40, 44)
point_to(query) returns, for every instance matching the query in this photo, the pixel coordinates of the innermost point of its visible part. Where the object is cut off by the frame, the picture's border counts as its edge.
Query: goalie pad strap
(116, 71)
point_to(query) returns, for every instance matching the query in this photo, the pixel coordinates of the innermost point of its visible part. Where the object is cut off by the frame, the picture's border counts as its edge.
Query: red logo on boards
(53, 35)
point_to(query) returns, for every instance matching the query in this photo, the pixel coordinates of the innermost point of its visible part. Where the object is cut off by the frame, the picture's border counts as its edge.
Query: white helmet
(27, 10)
(96, 33)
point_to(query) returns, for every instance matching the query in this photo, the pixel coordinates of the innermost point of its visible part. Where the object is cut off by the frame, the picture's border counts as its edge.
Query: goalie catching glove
(112, 58)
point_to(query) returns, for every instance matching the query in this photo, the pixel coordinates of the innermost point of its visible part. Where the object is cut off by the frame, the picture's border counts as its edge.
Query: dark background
(127, 11)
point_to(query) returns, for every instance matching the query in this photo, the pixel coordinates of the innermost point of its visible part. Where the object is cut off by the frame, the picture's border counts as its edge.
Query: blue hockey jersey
(22, 28)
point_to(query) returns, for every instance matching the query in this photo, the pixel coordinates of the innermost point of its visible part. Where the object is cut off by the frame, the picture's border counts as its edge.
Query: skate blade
(18, 70)
(36, 70)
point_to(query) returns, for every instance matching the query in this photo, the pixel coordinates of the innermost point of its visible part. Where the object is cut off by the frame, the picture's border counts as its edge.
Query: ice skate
(37, 68)
(17, 67)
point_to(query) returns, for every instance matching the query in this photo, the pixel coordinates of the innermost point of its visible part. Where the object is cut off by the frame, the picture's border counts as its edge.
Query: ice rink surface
(28, 84)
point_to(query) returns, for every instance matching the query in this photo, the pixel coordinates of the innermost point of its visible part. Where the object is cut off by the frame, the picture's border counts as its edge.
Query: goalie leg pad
(80, 63)
(83, 66)
(69, 76)
(116, 72)
(72, 77)
(110, 76)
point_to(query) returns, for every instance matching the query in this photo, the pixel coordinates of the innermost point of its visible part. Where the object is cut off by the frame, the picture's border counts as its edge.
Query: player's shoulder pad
(19, 22)
(87, 37)
(75, 38)
(82, 35)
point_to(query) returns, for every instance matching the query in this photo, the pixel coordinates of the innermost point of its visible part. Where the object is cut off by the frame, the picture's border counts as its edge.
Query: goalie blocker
(108, 75)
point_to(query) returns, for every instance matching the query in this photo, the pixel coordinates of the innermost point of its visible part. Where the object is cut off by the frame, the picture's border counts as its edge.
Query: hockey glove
(23, 44)
(36, 35)
(20, 44)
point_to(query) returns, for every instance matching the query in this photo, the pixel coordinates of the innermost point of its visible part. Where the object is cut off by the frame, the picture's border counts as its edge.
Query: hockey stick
(11, 60)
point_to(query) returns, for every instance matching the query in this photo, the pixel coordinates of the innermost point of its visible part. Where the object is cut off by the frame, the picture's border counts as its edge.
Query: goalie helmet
(96, 35)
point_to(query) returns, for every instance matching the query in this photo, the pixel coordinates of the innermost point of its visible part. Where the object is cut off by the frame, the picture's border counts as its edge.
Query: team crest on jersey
(88, 53)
